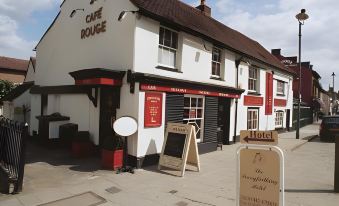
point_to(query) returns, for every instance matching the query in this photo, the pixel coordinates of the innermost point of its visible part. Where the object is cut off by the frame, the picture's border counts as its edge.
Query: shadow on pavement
(308, 191)
(60, 155)
(317, 139)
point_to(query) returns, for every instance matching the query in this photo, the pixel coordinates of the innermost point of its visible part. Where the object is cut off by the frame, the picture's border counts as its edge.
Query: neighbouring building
(17, 104)
(157, 61)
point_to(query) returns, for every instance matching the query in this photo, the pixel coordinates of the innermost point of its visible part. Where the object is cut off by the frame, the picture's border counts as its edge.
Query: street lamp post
(333, 96)
(301, 17)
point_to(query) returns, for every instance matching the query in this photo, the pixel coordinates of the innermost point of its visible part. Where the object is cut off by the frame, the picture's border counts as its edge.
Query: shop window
(168, 45)
(279, 119)
(280, 87)
(253, 79)
(194, 113)
(253, 119)
(216, 62)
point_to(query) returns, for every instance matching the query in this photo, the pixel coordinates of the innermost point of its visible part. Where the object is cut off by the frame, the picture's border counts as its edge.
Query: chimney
(306, 64)
(276, 52)
(204, 8)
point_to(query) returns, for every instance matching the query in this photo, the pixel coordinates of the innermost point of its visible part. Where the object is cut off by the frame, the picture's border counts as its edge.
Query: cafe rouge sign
(95, 24)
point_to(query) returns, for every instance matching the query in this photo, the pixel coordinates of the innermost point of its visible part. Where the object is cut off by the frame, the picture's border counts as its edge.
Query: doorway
(109, 101)
(224, 116)
(288, 119)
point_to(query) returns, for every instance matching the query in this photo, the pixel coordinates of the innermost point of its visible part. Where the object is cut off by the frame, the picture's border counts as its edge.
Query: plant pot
(82, 149)
(112, 159)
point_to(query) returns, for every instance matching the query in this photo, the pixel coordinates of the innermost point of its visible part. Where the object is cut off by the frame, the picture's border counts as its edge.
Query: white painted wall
(62, 50)
(30, 75)
(193, 61)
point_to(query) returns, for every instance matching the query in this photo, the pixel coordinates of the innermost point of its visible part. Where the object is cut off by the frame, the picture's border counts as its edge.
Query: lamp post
(301, 17)
(333, 96)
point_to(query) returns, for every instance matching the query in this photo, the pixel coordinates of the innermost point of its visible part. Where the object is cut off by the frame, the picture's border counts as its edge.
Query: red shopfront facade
(205, 106)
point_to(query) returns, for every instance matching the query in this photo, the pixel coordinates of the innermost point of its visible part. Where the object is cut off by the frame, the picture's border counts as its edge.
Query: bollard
(336, 167)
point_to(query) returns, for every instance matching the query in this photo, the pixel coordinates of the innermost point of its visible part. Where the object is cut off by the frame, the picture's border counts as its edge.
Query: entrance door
(288, 118)
(109, 100)
(224, 119)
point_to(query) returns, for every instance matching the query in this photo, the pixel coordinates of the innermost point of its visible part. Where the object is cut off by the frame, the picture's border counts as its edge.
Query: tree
(5, 87)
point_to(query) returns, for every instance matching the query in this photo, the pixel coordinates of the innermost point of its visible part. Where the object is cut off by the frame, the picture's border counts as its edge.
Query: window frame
(216, 62)
(250, 127)
(256, 79)
(279, 119)
(196, 108)
(281, 93)
(162, 47)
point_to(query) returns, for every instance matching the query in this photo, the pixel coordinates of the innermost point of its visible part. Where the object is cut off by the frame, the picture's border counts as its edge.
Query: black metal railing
(13, 137)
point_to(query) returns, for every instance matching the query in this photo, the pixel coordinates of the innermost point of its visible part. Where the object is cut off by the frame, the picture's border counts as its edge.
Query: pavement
(51, 175)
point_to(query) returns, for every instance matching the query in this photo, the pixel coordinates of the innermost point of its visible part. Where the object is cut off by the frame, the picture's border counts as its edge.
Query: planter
(82, 149)
(112, 159)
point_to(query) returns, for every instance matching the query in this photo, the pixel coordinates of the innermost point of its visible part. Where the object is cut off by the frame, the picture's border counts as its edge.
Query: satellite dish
(125, 126)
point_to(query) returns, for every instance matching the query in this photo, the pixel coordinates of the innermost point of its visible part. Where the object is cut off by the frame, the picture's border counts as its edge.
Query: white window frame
(255, 79)
(279, 119)
(192, 119)
(216, 62)
(280, 90)
(163, 47)
(250, 122)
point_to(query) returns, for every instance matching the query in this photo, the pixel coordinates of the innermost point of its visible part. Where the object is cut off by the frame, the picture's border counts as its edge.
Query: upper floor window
(168, 45)
(216, 62)
(280, 87)
(253, 79)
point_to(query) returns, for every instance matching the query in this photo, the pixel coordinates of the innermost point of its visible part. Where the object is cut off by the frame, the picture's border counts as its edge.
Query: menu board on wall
(153, 109)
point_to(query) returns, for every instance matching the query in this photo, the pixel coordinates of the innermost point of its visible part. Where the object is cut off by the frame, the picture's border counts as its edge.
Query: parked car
(329, 128)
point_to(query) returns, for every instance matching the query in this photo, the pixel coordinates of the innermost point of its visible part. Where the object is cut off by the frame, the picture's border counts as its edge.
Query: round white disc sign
(125, 126)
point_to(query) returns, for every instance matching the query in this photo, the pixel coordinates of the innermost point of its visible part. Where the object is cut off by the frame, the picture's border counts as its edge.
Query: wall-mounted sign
(97, 25)
(253, 101)
(280, 102)
(259, 178)
(259, 137)
(180, 148)
(149, 87)
(153, 109)
(269, 94)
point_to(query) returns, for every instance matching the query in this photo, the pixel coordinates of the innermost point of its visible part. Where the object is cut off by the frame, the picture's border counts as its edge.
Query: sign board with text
(180, 148)
(259, 178)
(153, 109)
(259, 137)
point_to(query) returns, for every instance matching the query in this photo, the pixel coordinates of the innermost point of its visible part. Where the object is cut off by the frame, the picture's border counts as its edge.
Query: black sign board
(175, 144)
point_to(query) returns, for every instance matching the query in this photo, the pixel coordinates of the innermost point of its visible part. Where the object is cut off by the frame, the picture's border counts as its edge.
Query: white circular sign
(125, 126)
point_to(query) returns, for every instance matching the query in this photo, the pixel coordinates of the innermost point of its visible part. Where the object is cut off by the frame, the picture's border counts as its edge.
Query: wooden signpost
(180, 148)
(260, 165)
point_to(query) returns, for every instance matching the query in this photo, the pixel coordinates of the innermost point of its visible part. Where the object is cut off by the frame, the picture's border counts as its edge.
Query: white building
(158, 61)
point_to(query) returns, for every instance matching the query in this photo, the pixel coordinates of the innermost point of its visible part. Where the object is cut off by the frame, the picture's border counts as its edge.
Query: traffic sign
(259, 137)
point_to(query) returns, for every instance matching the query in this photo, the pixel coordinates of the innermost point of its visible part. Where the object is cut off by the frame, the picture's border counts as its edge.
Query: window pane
(187, 102)
(168, 37)
(217, 72)
(194, 102)
(174, 40)
(161, 36)
(186, 113)
(172, 58)
(199, 113)
(160, 55)
(200, 102)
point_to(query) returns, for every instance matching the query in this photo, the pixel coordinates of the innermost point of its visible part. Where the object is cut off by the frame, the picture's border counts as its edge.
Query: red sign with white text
(269, 94)
(153, 109)
(253, 101)
(148, 87)
(280, 102)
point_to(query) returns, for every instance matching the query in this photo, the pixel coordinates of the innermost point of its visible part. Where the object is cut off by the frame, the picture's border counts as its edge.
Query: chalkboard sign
(175, 145)
(180, 148)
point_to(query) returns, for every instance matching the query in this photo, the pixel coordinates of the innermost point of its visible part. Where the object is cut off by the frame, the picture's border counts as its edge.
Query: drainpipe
(237, 63)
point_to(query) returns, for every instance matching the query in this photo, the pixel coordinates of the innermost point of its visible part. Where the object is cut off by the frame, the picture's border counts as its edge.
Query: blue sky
(270, 22)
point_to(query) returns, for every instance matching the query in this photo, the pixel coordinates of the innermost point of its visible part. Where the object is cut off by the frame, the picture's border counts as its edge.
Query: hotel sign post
(260, 170)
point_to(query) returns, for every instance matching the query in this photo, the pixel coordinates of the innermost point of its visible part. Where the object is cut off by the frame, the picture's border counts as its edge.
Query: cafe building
(157, 61)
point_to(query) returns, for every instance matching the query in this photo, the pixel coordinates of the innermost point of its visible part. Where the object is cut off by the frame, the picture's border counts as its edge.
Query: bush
(5, 87)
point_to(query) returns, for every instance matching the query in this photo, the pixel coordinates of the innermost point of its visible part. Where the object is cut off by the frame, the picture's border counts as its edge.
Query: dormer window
(168, 45)
(216, 62)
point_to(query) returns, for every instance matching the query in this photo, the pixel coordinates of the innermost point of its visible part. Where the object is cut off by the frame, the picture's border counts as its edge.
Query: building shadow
(308, 191)
(57, 154)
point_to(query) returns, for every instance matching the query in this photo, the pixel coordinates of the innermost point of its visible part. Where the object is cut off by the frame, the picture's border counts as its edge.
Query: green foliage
(5, 87)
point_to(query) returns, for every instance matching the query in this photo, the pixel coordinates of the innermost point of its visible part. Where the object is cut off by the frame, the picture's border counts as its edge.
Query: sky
(270, 22)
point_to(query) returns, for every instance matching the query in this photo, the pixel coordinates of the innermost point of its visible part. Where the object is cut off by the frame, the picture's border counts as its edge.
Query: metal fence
(306, 116)
(13, 137)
